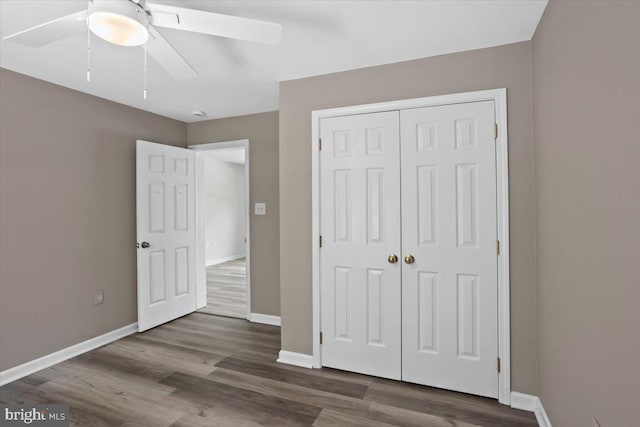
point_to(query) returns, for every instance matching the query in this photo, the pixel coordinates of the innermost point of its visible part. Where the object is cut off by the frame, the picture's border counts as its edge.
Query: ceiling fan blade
(51, 31)
(199, 21)
(159, 49)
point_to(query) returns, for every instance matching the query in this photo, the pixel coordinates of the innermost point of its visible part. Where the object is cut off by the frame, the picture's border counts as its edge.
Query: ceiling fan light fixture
(120, 23)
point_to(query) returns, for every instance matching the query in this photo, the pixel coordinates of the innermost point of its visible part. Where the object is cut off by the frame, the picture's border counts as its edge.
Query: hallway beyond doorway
(227, 289)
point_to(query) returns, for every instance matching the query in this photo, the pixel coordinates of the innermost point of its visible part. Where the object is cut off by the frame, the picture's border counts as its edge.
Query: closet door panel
(360, 228)
(449, 293)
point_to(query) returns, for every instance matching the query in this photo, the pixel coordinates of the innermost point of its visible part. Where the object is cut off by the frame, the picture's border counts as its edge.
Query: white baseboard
(51, 359)
(530, 403)
(225, 259)
(267, 319)
(296, 359)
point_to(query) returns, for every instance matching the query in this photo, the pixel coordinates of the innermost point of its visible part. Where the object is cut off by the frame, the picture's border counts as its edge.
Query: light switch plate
(261, 209)
(99, 297)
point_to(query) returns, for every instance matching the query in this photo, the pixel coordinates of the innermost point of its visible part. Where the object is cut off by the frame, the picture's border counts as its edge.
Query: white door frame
(201, 282)
(499, 96)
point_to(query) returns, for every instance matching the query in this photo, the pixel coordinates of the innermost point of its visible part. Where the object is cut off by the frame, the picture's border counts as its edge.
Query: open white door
(165, 199)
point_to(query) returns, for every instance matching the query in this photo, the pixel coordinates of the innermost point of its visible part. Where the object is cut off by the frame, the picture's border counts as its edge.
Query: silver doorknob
(145, 245)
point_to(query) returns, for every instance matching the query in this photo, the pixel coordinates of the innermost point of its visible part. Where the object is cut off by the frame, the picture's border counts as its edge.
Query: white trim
(28, 368)
(526, 402)
(224, 145)
(266, 319)
(499, 96)
(504, 281)
(295, 359)
(315, 236)
(530, 403)
(225, 259)
(201, 246)
(200, 149)
(542, 417)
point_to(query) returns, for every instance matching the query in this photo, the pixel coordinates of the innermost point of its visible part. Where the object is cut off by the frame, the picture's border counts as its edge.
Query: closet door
(449, 277)
(360, 229)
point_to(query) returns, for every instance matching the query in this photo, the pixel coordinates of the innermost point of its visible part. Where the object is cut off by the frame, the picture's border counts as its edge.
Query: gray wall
(586, 85)
(505, 66)
(67, 228)
(262, 132)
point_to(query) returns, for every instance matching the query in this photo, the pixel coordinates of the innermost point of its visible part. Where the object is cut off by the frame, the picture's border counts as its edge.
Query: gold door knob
(392, 259)
(409, 259)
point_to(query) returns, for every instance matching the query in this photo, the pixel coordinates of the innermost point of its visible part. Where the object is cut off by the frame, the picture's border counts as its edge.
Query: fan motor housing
(129, 8)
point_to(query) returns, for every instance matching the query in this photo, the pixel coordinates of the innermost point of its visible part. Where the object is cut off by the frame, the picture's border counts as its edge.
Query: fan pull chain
(145, 71)
(88, 50)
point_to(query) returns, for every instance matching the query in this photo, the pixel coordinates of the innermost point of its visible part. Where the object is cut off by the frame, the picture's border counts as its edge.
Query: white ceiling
(237, 77)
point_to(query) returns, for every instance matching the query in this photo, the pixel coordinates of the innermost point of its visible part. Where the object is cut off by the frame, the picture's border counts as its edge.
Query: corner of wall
(535, 213)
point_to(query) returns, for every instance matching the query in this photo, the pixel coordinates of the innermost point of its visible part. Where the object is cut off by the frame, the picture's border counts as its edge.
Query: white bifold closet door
(360, 228)
(449, 294)
(421, 184)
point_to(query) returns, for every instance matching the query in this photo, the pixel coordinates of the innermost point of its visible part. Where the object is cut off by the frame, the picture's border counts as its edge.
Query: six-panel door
(449, 294)
(166, 233)
(444, 331)
(360, 228)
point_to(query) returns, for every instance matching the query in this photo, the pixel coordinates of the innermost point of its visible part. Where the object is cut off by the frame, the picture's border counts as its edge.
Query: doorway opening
(222, 217)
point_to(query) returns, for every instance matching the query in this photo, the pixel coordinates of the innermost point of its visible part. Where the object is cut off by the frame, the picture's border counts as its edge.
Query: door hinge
(319, 144)
(320, 337)
(498, 365)
(495, 131)
(497, 247)
(320, 240)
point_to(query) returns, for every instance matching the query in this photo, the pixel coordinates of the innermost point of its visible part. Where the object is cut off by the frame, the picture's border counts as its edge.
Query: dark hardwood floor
(204, 370)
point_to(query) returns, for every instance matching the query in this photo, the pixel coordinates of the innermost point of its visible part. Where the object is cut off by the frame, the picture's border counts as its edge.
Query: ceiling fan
(134, 22)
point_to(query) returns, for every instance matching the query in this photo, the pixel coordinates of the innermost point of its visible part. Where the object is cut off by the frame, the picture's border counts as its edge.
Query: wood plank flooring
(204, 370)
(227, 289)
